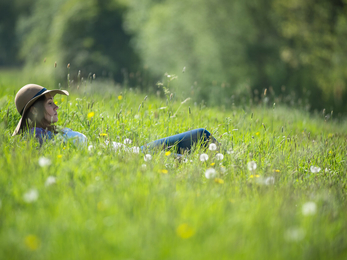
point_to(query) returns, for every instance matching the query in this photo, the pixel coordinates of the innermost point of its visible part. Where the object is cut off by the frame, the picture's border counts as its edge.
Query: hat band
(37, 94)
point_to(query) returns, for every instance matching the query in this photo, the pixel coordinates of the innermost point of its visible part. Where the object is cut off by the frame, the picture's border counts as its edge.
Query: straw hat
(27, 96)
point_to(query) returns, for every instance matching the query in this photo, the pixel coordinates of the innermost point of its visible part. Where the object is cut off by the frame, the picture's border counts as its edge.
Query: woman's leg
(182, 142)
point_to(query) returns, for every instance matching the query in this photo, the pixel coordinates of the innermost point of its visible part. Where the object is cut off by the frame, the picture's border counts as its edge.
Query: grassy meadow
(279, 192)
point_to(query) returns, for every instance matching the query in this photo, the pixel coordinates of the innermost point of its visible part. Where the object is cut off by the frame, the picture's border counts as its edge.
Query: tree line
(222, 51)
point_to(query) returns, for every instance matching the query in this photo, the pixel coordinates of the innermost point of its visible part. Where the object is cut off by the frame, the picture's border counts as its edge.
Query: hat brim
(32, 101)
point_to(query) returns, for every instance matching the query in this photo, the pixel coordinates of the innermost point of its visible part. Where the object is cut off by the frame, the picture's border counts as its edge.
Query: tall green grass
(115, 205)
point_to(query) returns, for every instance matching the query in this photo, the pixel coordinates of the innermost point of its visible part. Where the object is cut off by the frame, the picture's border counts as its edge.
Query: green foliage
(106, 204)
(88, 35)
(229, 45)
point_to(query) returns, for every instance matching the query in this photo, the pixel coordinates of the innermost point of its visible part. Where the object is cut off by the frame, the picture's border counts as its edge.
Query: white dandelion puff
(31, 196)
(143, 166)
(127, 141)
(230, 151)
(136, 149)
(43, 161)
(252, 165)
(117, 146)
(147, 157)
(203, 157)
(90, 147)
(219, 156)
(309, 208)
(212, 147)
(294, 234)
(210, 173)
(315, 169)
(269, 181)
(50, 180)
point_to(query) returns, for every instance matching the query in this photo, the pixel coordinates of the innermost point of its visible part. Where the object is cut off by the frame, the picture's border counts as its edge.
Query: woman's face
(51, 114)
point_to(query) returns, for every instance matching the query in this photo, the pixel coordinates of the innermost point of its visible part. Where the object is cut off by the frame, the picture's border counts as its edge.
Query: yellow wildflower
(330, 135)
(120, 97)
(103, 134)
(90, 114)
(56, 102)
(167, 153)
(218, 180)
(212, 164)
(32, 242)
(257, 133)
(62, 99)
(185, 231)
(164, 171)
(277, 170)
(330, 152)
(59, 156)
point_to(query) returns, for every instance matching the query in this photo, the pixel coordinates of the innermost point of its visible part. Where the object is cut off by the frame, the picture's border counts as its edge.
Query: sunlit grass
(260, 197)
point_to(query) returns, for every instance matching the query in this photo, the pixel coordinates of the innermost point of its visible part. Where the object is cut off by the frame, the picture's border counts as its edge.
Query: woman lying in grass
(39, 113)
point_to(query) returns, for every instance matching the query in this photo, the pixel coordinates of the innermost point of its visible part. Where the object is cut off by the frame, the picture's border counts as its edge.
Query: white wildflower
(230, 151)
(315, 169)
(309, 208)
(43, 161)
(203, 157)
(136, 149)
(117, 146)
(147, 157)
(269, 181)
(143, 166)
(212, 147)
(90, 147)
(127, 141)
(50, 180)
(210, 173)
(31, 196)
(219, 156)
(294, 234)
(252, 165)
(185, 160)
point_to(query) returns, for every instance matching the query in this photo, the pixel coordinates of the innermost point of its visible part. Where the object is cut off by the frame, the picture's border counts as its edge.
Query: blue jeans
(182, 142)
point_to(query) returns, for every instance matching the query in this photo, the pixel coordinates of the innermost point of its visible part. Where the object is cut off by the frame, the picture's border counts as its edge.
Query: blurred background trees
(230, 51)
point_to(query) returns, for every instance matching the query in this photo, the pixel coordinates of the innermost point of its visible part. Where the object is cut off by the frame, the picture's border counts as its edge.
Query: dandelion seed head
(219, 156)
(252, 165)
(50, 180)
(127, 141)
(269, 181)
(210, 173)
(309, 208)
(147, 157)
(43, 161)
(315, 169)
(90, 147)
(294, 234)
(203, 157)
(212, 147)
(31, 196)
(230, 151)
(136, 149)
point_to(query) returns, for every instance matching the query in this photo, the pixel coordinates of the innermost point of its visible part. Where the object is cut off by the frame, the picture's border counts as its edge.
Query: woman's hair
(38, 119)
